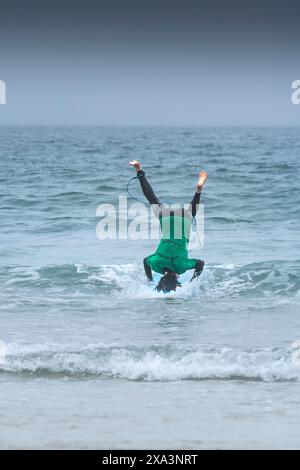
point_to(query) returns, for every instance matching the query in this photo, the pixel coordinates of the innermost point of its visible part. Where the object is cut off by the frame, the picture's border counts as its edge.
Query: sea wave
(255, 280)
(154, 363)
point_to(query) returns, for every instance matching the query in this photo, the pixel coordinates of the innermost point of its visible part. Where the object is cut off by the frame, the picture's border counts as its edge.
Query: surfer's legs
(198, 269)
(147, 189)
(148, 270)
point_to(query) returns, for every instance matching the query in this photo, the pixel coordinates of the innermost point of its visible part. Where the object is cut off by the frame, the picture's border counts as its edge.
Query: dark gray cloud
(159, 62)
(138, 20)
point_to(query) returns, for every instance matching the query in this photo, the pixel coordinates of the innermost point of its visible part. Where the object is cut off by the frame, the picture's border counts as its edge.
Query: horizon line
(193, 126)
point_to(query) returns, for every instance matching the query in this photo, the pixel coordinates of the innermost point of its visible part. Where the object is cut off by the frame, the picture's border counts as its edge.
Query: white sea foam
(217, 281)
(265, 279)
(153, 363)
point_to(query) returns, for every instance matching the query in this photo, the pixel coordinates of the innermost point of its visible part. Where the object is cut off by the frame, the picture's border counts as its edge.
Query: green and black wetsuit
(172, 251)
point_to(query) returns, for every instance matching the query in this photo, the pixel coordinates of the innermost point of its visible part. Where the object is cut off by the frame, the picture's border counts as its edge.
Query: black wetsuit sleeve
(147, 189)
(198, 269)
(195, 203)
(148, 270)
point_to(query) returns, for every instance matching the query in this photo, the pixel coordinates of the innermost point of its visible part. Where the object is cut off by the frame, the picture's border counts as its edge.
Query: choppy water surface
(95, 358)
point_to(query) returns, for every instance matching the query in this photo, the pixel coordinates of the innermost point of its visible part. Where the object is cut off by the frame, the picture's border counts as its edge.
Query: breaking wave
(255, 280)
(156, 363)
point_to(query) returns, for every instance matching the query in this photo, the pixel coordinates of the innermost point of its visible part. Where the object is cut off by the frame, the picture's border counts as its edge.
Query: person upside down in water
(171, 256)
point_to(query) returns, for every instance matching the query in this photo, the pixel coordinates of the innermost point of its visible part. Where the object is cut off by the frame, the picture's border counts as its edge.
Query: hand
(136, 165)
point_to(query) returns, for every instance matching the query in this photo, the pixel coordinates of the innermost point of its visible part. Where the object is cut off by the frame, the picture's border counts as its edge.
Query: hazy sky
(188, 62)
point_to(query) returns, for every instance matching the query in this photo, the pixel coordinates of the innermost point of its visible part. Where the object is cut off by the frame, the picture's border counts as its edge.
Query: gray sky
(150, 63)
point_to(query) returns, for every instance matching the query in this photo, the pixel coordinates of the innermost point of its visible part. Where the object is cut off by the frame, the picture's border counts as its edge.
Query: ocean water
(91, 356)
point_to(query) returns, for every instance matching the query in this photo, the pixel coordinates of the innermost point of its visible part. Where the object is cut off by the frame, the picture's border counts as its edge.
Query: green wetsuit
(172, 253)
